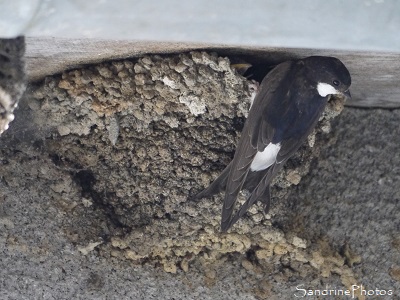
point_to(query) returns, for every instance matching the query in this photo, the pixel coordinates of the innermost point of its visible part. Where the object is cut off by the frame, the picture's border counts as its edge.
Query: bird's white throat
(325, 89)
(266, 158)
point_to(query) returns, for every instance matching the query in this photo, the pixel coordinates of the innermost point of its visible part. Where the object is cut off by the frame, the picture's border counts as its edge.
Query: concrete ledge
(375, 74)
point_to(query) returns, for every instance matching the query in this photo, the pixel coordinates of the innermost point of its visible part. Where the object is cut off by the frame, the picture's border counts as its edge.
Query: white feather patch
(266, 158)
(325, 89)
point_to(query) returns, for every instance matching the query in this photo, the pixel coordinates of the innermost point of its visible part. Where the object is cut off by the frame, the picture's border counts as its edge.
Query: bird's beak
(241, 67)
(347, 95)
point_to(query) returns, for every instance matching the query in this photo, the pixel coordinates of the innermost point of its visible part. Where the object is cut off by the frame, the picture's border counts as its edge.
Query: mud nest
(137, 138)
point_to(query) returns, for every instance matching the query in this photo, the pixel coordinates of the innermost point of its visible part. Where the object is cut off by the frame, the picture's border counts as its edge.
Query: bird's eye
(336, 82)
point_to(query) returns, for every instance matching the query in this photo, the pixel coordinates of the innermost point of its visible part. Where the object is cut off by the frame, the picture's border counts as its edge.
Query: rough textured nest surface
(125, 144)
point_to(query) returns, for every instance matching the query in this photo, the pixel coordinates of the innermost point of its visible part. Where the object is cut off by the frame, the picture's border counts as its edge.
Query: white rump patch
(325, 89)
(266, 158)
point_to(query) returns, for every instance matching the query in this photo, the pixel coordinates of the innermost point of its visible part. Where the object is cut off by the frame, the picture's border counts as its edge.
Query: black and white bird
(290, 100)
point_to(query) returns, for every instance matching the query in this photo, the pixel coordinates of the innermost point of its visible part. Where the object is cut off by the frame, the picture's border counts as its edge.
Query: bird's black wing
(261, 192)
(218, 185)
(288, 148)
(256, 135)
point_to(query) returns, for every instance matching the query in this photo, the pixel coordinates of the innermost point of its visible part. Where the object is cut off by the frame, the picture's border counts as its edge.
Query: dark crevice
(4, 59)
(86, 180)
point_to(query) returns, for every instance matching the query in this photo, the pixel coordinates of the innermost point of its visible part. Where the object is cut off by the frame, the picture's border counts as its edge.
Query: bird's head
(330, 74)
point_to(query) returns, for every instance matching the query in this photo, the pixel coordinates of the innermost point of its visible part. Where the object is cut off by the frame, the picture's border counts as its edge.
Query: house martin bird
(289, 103)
